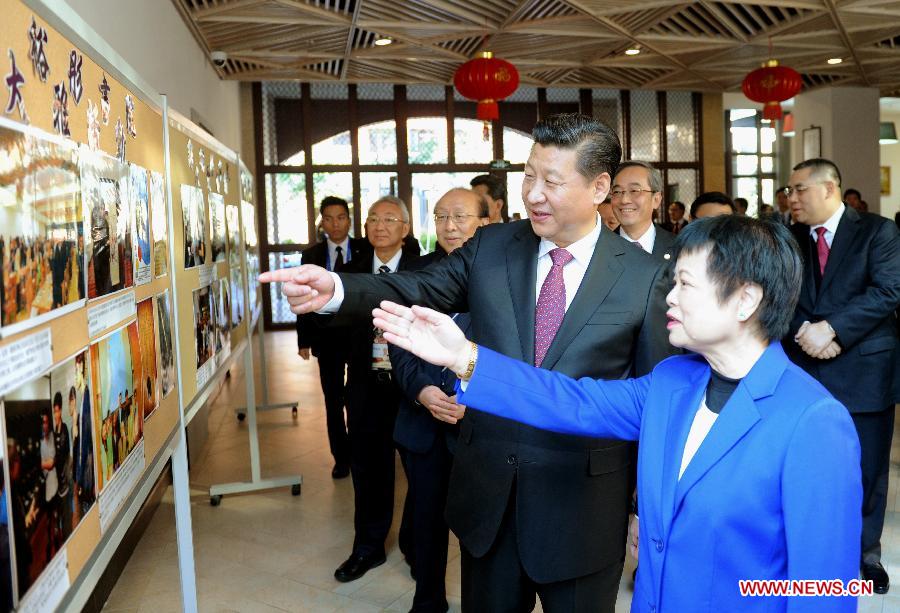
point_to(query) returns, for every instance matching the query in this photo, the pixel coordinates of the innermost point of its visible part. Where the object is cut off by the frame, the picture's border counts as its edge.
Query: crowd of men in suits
(540, 514)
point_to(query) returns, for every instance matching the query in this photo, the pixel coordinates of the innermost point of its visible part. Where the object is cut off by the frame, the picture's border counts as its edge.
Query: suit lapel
(840, 246)
(602, 273)
(521, 270)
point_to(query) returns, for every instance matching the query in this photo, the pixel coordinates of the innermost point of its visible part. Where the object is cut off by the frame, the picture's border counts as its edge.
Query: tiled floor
(275, 552)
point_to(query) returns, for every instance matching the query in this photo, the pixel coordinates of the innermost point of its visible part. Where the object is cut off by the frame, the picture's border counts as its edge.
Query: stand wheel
(215, 500)
(294, 411)
(241, 416)
(295, 489)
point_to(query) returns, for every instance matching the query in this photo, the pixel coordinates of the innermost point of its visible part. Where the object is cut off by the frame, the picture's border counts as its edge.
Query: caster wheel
(242, 416)
(215, 500)
(295, 489)
(294, 411)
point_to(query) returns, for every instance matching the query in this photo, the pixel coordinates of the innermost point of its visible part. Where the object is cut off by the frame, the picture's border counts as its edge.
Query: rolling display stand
(256, 482)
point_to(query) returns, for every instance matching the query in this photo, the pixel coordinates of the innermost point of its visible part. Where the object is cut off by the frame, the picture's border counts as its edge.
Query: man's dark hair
(713, 198)
(747, 250)
(496, 186)
(72, 393)
(57, 400)
(741, 203)
(821, 168)
(597, 144)
(328, 201)
(679, 204)
(853, 191)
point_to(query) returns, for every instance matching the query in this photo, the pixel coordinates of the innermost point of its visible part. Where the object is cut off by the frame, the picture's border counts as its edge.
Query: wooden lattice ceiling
(705, 45)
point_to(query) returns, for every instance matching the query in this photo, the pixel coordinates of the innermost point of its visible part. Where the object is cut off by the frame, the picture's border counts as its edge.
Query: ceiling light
(633, 51)
(383, 41)
(835, 60)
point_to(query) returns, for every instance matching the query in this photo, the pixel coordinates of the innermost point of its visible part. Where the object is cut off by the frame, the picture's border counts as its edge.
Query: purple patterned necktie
(551, 305)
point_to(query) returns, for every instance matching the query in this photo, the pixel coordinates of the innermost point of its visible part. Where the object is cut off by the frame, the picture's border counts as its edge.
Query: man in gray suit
(537, 513)
(636, 193)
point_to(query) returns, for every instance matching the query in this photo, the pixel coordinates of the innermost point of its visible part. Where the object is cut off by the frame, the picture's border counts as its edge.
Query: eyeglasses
(388, 221)
(799, 188)
(458, 218)
(617, 194)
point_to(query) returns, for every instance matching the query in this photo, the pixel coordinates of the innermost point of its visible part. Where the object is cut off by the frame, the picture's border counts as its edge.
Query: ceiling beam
(846, 38)
(210, 11)
(349, 46)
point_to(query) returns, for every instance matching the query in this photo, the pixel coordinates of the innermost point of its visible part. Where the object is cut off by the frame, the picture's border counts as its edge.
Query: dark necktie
(676, 228)
(822, 249)
(338, 259)
(384, 269)
(551, 305)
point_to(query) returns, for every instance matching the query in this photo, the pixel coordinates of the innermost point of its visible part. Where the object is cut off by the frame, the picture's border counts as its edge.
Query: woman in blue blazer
(748, 468)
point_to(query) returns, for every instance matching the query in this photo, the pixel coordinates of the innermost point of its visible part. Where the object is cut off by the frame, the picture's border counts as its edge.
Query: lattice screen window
(607, 107)
(680, 137)
(644, 126)
(271, 91)
(419, 93)
(562, 94)
(525, 93)
(328, 91)
(374, 91)
(683, 185)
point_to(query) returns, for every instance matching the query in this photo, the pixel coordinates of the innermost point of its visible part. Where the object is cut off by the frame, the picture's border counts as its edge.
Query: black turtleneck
(719, 391)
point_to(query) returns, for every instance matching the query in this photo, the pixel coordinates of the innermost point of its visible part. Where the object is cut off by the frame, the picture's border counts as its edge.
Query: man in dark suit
(636, 194)
(844, 331)
(677, 220)
(426, 427)
(536, 513)
(373, 398)
(331, 345)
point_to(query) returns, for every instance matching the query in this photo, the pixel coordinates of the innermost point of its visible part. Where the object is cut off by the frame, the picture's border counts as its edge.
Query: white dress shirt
(646, 240)
(392, 263)
(700, 427)
(830, 226)
(332, 251)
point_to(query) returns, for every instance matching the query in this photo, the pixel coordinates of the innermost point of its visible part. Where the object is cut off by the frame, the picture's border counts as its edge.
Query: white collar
(343, 245)
(393, 263)
(582, 250)
(831, 223)
(646, 240)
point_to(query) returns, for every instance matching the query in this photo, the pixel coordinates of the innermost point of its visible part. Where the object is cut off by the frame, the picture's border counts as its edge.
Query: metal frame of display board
(241, 412)
(256, 483)
(69, 23)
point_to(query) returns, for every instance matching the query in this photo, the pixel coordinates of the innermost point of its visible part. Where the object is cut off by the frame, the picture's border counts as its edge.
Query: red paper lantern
(770, 85)
(486, 79)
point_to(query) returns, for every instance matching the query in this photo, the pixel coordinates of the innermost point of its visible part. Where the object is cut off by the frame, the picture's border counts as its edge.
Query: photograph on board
(204, 325)
(159, 223)
(217, 225)
(223, 315)
(166, 348)
(115, 368)
(51, 463)
(108, 215)
(233, 229)
(237, 298)
(148, 396)
(41, 228)
(193, 211)
(139, 189)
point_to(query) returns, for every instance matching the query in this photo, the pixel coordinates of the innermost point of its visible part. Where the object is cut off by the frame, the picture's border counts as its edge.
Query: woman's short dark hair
(710, 198)
(747, 250)
(596, 143)
(328, 201)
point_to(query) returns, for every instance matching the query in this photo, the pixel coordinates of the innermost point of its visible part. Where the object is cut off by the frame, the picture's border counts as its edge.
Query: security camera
(219, 58)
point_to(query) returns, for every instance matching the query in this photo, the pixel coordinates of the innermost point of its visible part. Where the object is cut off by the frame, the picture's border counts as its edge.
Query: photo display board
(87, 335)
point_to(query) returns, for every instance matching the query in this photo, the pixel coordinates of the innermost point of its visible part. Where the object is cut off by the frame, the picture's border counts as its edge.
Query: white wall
(153, 38)
(890, 156)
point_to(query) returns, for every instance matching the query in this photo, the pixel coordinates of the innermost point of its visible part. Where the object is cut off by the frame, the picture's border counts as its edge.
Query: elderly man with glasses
(636, 193)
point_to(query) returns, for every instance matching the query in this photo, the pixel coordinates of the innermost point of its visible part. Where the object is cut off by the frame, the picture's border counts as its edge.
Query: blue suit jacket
(773, 492)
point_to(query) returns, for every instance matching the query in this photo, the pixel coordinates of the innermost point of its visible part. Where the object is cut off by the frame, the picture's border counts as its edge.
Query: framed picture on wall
(885, 180)
(812, 143)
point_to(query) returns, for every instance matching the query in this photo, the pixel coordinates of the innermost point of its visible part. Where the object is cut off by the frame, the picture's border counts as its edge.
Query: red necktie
(551, 305)
(822, 249)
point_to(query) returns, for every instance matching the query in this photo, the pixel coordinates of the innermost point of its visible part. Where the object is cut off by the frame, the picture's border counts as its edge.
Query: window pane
(427, 188)
(748, 188)
(768, 191)
(743, 140)
(372, 186)
(378, 143)
(516, 146)
(334, 150)
(514, 193)
(767, 140)
(338, 184)
(644, 126)
(281, 310)
(607, 108)
(767, 164)
(286, 216)
(469, 141)
(744, 164)
(680, 126)
(682, 183)
(426, 139)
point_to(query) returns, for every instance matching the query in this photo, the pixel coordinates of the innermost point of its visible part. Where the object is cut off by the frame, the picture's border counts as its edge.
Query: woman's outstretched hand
(430, 335)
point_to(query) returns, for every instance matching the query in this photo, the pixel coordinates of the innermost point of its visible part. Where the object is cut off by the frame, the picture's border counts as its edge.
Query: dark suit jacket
(670, 225)
(858, 296)
(571, 492)
(662, 244)
(416, 429)
(310, 330)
